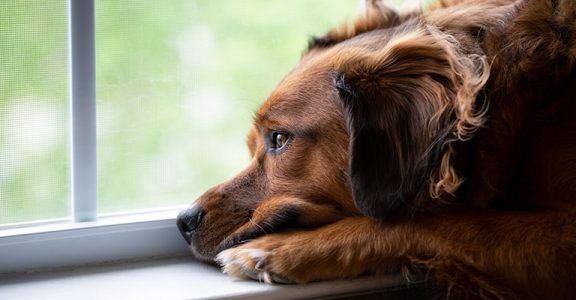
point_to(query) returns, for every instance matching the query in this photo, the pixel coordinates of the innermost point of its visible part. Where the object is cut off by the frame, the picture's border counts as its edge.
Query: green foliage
(177, 84)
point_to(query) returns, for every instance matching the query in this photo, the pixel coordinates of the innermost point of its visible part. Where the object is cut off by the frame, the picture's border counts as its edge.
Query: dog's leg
(532, 253)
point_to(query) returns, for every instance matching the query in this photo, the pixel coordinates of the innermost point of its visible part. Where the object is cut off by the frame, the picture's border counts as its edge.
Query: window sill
(143, 256)
(177, 278)
(112, 238)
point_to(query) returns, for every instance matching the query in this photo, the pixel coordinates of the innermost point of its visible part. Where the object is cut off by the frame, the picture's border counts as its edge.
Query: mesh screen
(178, 82)
(33, 110)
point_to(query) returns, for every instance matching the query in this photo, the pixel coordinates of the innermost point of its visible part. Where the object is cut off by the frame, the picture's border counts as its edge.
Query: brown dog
(442, 141)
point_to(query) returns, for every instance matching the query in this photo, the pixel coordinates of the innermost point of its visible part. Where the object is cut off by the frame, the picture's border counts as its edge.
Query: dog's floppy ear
(373, 15)
(404, 104)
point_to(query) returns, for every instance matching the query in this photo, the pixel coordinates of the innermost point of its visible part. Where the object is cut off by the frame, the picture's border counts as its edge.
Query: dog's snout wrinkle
(189, 220)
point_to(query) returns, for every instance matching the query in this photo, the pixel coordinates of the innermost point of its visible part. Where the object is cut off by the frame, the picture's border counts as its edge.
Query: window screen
(33, 110)
(177, 83)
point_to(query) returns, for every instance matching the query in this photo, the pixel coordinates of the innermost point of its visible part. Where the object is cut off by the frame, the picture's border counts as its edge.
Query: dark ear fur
(388, 163)
(402, 110)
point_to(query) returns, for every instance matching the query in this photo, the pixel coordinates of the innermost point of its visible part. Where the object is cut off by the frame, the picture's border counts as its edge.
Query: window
(175, 83)
(117, 111)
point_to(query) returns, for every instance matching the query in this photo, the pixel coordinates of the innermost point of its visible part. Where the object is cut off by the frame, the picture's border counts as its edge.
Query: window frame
(86, 238)
(82, 47)
(112, 238)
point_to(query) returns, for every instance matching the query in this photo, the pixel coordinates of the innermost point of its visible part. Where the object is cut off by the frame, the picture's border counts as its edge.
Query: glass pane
(178, 82)
(33, 110)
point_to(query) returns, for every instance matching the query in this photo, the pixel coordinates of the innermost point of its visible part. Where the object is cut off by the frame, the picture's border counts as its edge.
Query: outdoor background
(177, 85)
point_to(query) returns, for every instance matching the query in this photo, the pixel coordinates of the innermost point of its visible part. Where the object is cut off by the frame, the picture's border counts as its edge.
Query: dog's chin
(285, 221)
(202, 251)
(207, 254)
(201, 255)
(235, 241)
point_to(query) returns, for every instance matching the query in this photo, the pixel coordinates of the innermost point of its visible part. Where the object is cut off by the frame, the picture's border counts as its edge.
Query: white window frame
(82, 47)
(109, 239)
(87, 239)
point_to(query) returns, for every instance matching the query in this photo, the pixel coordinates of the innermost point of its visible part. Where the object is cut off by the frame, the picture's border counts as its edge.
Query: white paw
(248, 263)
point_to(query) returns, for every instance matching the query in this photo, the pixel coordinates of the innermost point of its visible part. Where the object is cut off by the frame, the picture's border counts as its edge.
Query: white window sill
(112, 238)
(143, 256)
(174, 278)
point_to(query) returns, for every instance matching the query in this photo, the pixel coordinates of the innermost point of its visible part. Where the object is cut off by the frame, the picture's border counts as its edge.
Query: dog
(438, 142)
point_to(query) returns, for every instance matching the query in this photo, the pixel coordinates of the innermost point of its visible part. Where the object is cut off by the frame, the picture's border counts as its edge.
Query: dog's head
(363, 125)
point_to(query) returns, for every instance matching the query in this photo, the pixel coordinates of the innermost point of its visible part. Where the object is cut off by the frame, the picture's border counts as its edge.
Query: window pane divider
(83, 109)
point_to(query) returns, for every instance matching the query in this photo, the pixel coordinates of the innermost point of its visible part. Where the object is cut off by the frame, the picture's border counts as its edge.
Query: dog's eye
(278, 140)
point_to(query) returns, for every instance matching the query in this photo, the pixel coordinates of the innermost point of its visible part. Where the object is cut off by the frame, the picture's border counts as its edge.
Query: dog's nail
(265, 276)
(260, 264)
(254, 275)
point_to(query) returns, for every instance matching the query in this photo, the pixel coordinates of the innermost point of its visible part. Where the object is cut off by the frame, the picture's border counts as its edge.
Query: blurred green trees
(177, 84)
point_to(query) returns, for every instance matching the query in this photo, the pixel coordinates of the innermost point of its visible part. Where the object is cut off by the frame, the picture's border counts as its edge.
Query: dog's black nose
(189, 220)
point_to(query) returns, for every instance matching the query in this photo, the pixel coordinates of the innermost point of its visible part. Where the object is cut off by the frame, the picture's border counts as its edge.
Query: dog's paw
(246, 262)
(275, 258)
(305, 256)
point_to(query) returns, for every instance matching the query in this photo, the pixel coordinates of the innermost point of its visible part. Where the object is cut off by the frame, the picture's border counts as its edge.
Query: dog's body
(442, 141)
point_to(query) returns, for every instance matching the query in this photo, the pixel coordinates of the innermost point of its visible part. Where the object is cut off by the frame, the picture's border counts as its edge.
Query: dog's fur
(439, 141)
